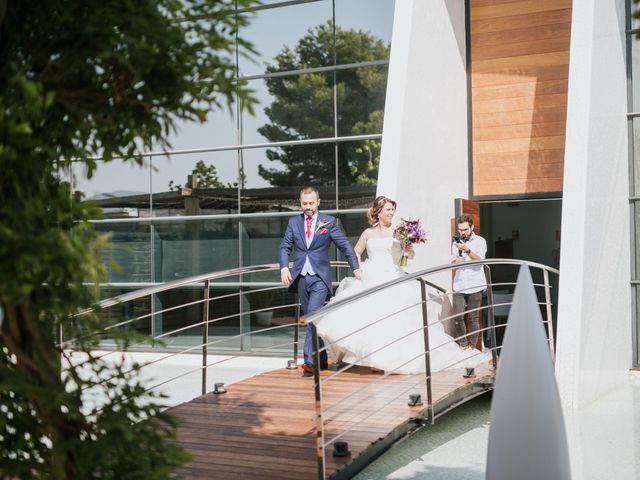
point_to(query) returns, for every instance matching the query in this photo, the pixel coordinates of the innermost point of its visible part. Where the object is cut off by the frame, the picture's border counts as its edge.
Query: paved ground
(455, 447)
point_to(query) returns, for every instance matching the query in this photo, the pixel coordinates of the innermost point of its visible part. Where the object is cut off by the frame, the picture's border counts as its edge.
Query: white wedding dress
(359, 332)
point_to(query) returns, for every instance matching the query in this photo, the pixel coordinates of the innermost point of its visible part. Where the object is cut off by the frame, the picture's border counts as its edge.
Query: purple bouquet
(408, 232)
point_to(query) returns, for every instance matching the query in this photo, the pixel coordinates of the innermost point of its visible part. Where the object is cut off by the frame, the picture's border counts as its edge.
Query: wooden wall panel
(519, 70)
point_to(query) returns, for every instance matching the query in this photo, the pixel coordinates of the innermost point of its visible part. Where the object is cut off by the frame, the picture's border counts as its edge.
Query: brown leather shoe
(307, 368)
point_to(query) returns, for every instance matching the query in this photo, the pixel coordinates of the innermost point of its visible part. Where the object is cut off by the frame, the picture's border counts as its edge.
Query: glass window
(358, 173)
(128, 259)
(187, 247)
(363, 34)
(274, 176)
(635, 73)
(270, 38)
(220, 129)
(361, 94)
(376, 23)
(636, 155)
(120, 187)
(261, 237)
(294, 107)
(216, 191)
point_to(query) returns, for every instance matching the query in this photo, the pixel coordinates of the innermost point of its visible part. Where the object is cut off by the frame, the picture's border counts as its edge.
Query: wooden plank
(508, 64)
(531, 103)
(496, 24)
(514, 49)
(510, 76)
(511, 187)
(520, 89)
(523, 7)
(518, 35)
(539, 157)
(519, 117)
(519, 145)
(519, 131)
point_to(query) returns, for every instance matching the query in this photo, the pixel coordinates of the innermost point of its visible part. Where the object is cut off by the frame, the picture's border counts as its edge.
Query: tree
(206, 176)
(80, 80)
(303, 108)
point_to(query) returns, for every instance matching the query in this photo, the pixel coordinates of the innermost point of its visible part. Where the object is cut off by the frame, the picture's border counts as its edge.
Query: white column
(424, 159)
(594, 318)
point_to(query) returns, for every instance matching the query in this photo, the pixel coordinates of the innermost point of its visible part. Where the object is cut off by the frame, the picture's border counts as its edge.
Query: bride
(384, 330)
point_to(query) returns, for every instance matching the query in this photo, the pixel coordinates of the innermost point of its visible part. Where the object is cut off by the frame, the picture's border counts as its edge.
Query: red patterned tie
(309, 222)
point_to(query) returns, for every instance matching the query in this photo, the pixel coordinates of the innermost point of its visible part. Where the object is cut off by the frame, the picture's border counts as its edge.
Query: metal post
(318, 392)
(492, 319)
(296, 331)
(427, 348)
(547, 300)
(205, 335)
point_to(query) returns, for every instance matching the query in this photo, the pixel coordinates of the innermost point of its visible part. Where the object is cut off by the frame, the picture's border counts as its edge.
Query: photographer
(469, 283)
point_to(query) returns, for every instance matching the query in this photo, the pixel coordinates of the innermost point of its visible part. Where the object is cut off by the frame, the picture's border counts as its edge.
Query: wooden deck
(264, 427)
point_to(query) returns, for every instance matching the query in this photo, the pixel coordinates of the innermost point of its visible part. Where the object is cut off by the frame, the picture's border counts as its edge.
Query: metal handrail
(421, 273)
(321, 409)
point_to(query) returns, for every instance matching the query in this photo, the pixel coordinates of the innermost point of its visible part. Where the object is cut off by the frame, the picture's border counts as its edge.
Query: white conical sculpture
(527, 438)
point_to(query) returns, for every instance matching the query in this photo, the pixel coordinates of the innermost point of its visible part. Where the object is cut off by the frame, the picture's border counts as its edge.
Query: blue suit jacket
(318, 251)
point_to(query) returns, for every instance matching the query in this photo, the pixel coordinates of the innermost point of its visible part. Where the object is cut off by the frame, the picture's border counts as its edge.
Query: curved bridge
(279, 424)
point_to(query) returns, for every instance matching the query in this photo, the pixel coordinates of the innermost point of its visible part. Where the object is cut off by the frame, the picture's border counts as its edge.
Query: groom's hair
(306, 190)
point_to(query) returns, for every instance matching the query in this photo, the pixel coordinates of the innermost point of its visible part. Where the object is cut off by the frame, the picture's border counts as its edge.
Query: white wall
(424, 148)
(594, 319)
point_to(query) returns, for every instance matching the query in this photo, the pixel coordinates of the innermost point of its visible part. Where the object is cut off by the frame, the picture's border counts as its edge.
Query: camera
(458, 239)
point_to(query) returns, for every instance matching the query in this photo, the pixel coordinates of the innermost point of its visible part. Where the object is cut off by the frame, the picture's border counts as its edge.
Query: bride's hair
(376, 207)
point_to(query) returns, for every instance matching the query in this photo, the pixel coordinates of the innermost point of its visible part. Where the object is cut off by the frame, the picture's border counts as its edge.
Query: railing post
(318, 392)
(296, 331)
(205, 335)
(492, 318)
(547, 299)
(427, 348)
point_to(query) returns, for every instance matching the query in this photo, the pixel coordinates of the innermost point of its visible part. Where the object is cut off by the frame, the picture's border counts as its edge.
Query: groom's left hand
(357, 274)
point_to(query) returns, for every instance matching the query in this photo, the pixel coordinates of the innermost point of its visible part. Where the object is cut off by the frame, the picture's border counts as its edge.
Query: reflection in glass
(213, 188)
(117, 184)
(361, 94)
(358, 166)
(353, 224)
(293, 107)
(636, 155)
(129, 257)
(358, 15)
(635, 73)
(219, 129)
(194, 246)
(274, 176)
(271, 39)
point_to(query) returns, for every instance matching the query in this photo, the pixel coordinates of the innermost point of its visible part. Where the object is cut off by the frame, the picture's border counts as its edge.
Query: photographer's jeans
(461, 303)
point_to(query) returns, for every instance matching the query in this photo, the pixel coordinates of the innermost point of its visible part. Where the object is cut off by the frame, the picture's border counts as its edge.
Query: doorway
(526, 230)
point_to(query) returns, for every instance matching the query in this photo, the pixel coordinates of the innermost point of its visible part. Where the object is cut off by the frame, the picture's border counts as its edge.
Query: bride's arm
(361, 245)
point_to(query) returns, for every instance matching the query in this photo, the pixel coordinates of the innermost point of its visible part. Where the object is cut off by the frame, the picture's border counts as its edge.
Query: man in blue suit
(311, 234)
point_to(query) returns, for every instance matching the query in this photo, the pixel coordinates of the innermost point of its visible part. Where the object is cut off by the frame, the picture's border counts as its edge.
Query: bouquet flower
(408, 232)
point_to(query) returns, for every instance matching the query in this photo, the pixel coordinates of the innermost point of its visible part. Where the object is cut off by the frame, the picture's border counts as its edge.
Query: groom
(311, 234)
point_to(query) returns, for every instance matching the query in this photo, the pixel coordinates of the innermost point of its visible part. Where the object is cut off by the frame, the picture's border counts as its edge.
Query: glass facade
(633, 82)
(221, 197)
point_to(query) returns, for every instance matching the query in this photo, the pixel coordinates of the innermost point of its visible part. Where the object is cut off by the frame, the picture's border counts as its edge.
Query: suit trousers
(312, 292)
